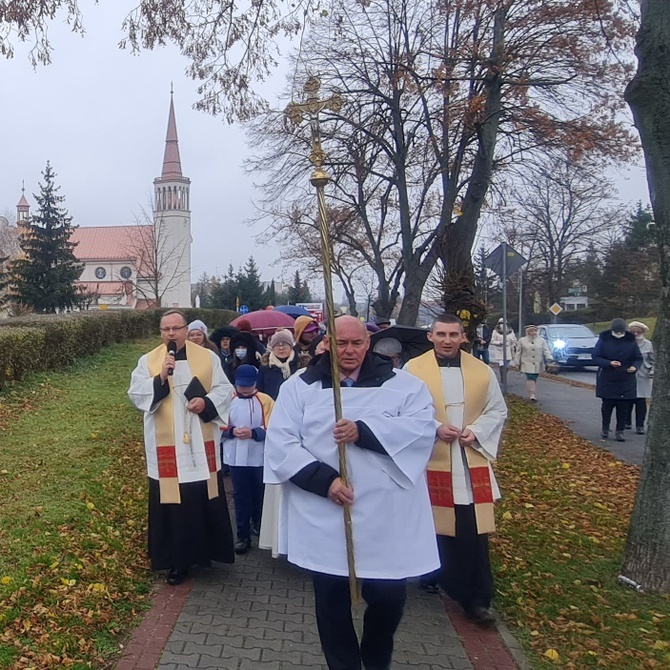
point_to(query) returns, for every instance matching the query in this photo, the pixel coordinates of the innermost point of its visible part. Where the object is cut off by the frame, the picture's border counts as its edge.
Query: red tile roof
(109, 242)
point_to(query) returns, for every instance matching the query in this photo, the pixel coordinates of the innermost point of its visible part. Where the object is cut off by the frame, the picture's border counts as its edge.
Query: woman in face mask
(243, 352)
(532, 355)
(618, 359)
(496, 346)
(644, 377)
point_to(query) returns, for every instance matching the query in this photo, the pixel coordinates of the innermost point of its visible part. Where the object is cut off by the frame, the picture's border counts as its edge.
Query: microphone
(172, 350)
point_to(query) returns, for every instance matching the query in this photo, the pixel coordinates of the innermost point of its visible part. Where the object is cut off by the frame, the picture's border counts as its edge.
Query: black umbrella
(414, 341)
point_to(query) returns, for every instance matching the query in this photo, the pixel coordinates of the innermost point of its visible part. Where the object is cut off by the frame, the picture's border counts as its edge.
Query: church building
(140, 266)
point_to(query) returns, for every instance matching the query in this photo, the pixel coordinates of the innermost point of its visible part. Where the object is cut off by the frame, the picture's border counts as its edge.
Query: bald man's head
(352, 340)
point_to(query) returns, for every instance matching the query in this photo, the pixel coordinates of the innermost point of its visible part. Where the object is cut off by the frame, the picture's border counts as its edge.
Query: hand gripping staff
(296, 112)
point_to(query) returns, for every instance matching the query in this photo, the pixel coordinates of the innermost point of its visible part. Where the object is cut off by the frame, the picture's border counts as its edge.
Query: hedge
(38, 343)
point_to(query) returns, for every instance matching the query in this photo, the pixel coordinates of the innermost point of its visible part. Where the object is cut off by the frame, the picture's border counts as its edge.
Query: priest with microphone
(184, 395)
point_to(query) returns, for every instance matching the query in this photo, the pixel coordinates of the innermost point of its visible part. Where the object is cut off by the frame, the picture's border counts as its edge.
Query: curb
(145, 647)
(487, 647)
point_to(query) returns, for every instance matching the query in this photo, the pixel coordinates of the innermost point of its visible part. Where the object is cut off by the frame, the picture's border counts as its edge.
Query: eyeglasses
(172, 329)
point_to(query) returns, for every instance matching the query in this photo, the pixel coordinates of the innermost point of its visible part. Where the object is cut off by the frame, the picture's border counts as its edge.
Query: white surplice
(393, 531)
(191, 458)
(487, 427)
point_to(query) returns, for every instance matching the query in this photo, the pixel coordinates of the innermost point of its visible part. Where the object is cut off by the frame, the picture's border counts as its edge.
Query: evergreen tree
(225, 291)
(43, 280)
(299, 292)
(631, 273)
(270, 296)
(250, 289)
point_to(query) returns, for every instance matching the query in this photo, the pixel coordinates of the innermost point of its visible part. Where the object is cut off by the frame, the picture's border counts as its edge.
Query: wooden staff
(296, 112)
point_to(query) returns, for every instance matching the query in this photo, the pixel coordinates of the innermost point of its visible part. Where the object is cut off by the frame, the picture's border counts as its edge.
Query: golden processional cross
(297, 112)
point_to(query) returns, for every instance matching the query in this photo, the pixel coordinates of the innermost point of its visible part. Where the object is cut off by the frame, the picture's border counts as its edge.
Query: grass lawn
(73, 570)
(74, 577)
(562, 526)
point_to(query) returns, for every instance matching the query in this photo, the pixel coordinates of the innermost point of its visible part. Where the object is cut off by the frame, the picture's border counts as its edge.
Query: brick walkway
(259, 614)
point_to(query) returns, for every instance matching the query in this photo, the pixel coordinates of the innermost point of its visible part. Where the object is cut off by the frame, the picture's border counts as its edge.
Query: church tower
(172, 224)
(22, 209)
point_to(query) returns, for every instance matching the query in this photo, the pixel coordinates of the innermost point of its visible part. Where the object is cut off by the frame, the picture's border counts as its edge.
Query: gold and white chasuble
(466, 397)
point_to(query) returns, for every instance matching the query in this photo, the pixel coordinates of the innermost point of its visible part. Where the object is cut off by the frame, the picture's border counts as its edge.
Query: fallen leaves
(562, 524)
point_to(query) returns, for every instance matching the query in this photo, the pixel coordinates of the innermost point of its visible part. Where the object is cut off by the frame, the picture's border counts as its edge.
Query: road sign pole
(521, 324)
(503, 372)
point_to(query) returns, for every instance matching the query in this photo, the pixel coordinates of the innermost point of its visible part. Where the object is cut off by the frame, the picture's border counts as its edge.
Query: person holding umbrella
(389, 431)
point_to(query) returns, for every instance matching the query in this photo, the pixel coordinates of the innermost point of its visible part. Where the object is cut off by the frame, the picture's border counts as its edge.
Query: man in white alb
(470, 412)
(389, 432)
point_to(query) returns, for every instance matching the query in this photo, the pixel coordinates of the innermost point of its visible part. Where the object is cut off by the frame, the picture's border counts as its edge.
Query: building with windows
(140, 266)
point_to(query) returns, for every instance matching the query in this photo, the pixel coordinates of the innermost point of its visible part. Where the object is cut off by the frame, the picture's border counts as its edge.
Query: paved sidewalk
(259, 614)
(579, 408)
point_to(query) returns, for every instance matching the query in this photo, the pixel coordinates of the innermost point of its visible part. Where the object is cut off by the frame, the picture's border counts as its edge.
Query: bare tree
(28, 21)
(442, 97)
(647, 556)
(157, 254)
(557, 210)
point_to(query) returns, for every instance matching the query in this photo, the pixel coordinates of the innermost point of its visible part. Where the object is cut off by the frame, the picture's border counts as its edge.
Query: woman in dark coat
(243, 351)
(618, 358)
(221, 338)
(279, 362)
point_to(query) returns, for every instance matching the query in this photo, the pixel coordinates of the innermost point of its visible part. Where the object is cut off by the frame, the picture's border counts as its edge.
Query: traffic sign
(555, 309)
(243, 309)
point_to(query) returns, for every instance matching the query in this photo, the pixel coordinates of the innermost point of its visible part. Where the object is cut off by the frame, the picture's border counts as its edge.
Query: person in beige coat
(532, 356)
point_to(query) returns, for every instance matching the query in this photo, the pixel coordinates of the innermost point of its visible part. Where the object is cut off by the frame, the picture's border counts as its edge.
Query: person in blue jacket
(618, 359)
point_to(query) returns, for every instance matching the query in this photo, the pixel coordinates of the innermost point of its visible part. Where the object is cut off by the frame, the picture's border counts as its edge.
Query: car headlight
(559, 344)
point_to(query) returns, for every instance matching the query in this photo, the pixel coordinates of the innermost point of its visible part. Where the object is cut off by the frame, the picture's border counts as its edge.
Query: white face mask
(639, 336)
(241, 353)
(618, 335)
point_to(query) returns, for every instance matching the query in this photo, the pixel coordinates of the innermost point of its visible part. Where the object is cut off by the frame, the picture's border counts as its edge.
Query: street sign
(314, 308)
(555, 309)
(504, 260)
(243, 309)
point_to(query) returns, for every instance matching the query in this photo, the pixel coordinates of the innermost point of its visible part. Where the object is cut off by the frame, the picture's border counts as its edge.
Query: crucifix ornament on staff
(297, 112)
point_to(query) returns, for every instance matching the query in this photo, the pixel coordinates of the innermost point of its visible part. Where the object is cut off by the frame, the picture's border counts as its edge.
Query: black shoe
(618, 436)
(481, 615)
(640, 430)
(628, 426)
(176, 577)
(604, 433)
(242, 546)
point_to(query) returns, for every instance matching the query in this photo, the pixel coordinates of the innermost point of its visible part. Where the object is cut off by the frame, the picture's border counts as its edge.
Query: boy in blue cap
(243, 449)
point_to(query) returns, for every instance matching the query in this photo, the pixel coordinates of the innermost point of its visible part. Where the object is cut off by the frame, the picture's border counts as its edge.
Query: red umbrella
(265, 321)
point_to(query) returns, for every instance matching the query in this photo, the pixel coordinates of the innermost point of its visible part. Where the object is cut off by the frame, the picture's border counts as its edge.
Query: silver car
(571, 344)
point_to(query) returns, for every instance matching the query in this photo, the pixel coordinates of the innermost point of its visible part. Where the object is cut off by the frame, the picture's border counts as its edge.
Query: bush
(38, 343)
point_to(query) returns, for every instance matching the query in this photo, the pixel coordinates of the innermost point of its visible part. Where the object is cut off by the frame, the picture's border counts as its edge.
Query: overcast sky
(99, 115)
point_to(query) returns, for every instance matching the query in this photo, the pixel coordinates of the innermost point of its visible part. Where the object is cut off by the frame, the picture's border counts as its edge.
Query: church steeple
(23, 206)
(171, 160)
(171, 188)
(172, 222)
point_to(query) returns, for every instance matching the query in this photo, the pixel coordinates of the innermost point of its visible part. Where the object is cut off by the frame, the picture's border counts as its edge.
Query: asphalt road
(580, 410)
(584, 375)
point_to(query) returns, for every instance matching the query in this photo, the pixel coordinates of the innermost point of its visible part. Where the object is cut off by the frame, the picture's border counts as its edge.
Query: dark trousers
(385, 599)
(466, 569)
(621, 406)
(640, 405)
(248, 492)
(482, 355)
